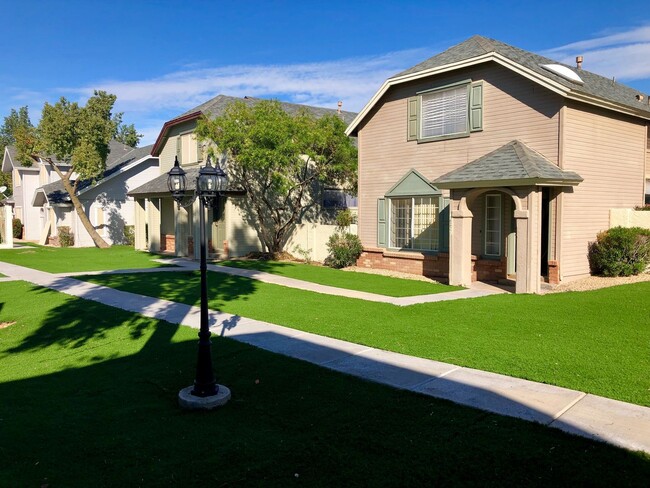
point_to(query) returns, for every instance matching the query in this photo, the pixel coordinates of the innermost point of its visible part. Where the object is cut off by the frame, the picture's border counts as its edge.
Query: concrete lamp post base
(187, 401)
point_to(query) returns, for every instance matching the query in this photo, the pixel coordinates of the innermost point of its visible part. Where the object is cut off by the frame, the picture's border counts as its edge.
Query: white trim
(118, 172)
(548, 83)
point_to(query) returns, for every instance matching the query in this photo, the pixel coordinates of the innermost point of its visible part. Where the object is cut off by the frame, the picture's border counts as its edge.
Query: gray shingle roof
(158, 186)
(119, 156)
(216, 106)
(594, 85)
(514, 164)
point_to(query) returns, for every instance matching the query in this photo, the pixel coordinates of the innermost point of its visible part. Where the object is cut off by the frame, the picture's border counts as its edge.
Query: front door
(217, 233)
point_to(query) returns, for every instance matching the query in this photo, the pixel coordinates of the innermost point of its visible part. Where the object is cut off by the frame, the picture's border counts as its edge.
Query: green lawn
(89, 399)
(597, 341)
(79, 259)
(382, 285)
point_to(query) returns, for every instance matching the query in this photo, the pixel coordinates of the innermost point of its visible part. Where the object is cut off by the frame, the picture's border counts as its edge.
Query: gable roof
(595, 89)
(412, 184)
(10, 160)
(514, 164)
(120, 158)
(217, 105)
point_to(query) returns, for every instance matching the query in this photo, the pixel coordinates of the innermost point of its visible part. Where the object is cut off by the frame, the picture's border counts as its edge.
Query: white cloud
(352, 80)
(623, 55)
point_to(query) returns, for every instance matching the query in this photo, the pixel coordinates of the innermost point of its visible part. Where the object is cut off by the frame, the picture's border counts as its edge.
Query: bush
(344, 250)
(17, 227)
(344, 219)
(66, 237)
(645, 208)
(620, 251)
(129, 235)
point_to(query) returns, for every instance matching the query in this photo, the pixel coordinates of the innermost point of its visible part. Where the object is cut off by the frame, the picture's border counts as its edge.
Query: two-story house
(488, 162)
(163, 226)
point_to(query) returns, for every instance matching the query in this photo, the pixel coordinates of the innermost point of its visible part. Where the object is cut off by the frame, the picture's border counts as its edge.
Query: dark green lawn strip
(597, 341)
(89, 399)
(382, 285)
(71, 259)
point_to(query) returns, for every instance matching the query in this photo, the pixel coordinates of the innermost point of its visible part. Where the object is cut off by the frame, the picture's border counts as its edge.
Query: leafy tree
(280, 159)
(16, 120)
(73, 140)
(126, 134)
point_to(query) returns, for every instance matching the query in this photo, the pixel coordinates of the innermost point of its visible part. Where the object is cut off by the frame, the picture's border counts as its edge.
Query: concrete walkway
(618, 423)
(478, 289)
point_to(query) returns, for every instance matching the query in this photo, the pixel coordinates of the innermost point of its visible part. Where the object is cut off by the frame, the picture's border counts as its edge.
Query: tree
(14, 121)
(126, 134)
(282, 161)
(73, 140)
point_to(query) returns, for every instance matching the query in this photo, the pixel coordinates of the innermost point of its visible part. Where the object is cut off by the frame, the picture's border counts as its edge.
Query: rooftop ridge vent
(563, 71)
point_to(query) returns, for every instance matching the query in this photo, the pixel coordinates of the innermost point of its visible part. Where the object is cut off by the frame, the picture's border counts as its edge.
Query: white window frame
(464, 85)
(436, 201)
(498, 230)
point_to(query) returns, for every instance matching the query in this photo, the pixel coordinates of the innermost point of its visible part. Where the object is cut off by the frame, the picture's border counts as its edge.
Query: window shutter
(198, 149)
(179, 149)
(476, 107)
(412, 133)
(381, 222)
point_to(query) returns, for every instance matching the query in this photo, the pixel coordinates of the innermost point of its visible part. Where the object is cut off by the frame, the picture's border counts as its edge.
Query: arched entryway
(495, 231)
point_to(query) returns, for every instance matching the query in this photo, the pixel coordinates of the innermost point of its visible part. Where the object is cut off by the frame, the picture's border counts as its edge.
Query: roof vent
(639, 97)
(579, 62)
(563, 71)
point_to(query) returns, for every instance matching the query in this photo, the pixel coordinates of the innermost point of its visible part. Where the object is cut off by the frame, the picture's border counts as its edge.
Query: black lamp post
(210, 183)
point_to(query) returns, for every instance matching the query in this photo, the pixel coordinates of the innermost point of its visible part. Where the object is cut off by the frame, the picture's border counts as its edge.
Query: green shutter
(381, 222)
(179, 149)
(198, 149)
(412, 132)
(476, 107)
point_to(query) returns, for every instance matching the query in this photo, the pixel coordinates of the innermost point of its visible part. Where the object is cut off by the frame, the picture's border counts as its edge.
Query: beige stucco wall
(513, 108)
(608, 151)
(627, 217)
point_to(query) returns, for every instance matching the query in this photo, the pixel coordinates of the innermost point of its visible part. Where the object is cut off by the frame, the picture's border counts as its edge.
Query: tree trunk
(76, 203)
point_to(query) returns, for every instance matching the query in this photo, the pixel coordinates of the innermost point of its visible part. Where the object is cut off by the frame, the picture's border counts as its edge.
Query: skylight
(564, 72)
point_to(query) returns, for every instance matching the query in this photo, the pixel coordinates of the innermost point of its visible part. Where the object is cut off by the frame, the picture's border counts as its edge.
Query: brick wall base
(167, 242)
(488, 269)
(430, 265)
(554, 272)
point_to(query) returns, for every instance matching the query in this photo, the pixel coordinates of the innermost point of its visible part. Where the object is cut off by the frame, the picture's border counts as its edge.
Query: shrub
(66, 237)
(344, 250)
(17, 228)
(344, 219)
(620, 251)
(129, 235)
(643, 208)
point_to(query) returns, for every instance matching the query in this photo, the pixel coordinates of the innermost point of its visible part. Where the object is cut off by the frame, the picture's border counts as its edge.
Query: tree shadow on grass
(116, 423)
(75, 323)
(108, 417)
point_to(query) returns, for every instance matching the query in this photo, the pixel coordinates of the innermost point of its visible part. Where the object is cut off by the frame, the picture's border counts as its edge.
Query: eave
(157, 147)
(544, 81)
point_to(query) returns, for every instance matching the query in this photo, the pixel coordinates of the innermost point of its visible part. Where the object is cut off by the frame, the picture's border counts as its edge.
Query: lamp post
(210, 183)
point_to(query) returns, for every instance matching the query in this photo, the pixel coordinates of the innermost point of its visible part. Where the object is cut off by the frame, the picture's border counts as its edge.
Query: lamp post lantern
(210, 183)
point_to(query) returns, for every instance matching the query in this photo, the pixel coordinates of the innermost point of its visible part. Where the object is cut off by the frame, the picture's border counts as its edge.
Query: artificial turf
(80, 259)
(371, 283)
(89, 399)
(596, 341)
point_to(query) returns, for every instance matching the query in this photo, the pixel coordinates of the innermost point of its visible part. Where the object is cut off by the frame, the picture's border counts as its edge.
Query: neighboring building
(162, 226)
(25, 180)
(46, 206)
(487, 162)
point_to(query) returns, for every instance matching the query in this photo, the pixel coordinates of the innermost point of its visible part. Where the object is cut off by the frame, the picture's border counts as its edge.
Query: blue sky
(162, 58)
